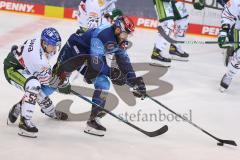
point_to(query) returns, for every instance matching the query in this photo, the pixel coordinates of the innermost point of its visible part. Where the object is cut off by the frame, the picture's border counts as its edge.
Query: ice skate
(158, 60)
(27, 128)
(225, 82)
(177, 54)
(94, 127)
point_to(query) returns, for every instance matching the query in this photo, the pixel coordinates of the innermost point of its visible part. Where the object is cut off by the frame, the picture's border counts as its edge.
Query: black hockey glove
(14, 49)
(117, 77)
(55, 81)
(65, 88)
(139, 88)
(223, 36)
(114, 14)
(198, 4)
(59, 79)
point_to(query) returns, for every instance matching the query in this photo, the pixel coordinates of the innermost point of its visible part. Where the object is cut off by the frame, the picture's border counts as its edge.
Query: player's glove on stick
(139, 88)
(223, 36)
(59, 79)
(55, 81)
(117, 77)
(65, 88)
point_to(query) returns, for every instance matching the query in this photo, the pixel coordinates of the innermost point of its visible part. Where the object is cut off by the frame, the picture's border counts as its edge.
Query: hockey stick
(170, 40)
(158, 132)
(221, 141)
(205, 5)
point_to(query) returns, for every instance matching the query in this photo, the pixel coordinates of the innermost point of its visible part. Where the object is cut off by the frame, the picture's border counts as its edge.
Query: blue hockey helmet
(51, 37)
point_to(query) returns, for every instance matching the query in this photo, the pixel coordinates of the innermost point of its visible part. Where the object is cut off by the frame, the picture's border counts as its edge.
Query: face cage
(58, 48)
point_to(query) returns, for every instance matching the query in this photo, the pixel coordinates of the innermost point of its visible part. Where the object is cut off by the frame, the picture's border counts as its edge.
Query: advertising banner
(22, 7)
(203, 22)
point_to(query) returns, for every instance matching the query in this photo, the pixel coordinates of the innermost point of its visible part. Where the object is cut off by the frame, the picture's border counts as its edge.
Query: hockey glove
(58, 77)
(58, 80)
(139, 88)
(65, 88)
(54, 81)
(117, 77)
(114, 14)
(198, 4)
(223, 36)
(125, 45)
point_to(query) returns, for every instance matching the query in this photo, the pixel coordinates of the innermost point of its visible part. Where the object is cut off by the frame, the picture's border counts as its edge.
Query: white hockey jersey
(35, 61)
(93, 16)
(231, 14)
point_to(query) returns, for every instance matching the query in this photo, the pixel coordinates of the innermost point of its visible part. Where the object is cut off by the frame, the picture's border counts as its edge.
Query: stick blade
(158, 132)
(229, 142)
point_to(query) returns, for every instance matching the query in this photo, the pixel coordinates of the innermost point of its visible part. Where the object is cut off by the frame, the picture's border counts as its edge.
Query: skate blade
(177, 58)
(93, 131)
(160, 64)
(24, 133)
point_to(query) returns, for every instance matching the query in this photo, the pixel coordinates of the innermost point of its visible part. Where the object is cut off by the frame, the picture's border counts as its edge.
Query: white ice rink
(195, 87)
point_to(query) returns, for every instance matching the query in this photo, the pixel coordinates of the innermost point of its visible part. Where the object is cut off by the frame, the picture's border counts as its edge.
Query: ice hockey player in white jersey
(227, 52)
(173, 18)
(93, 13)
(27, 67)
(230, 25)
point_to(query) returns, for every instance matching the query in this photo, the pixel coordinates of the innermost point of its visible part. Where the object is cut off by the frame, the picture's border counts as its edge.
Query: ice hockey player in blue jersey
(92, 49)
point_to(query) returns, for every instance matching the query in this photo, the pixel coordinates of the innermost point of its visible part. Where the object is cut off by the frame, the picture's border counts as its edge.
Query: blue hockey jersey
(92, 47)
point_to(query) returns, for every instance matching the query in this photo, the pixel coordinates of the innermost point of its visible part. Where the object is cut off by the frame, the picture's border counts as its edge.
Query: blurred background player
(93, 13)
(92, 47)
(173, 18)
(229, 50)
(229, 21)
(27, 67)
